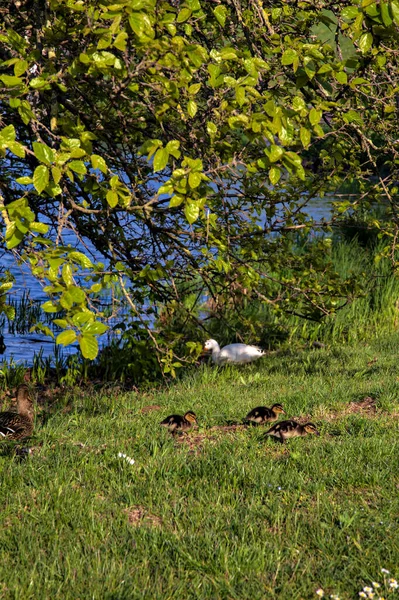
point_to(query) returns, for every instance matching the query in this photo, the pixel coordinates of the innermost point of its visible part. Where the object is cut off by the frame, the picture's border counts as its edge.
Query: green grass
(226, 514)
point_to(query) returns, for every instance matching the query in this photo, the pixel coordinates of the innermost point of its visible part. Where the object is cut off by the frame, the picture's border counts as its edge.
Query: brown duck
(179, 422)
(289, 429)
(18, 425)
(262, 414)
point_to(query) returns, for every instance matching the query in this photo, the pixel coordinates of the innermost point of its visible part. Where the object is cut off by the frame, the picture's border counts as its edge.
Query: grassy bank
(373, 310)
(221, 513)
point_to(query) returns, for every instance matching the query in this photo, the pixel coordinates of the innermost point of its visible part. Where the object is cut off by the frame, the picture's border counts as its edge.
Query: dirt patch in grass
(150, 408)
(194, 442)
(229, 428)
(367, 405)
(138, 516)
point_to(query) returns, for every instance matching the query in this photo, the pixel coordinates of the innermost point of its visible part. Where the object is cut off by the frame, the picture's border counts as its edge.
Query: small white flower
(393, 584)
(385, 571)
(131, 461)
(367, 589)
(362, 595)
(375, 585)
(320, 593)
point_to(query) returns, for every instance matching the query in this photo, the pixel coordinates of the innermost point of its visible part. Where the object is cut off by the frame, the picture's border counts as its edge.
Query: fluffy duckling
(19, 425)
(288, 429)
(262, 414)
(180, 423)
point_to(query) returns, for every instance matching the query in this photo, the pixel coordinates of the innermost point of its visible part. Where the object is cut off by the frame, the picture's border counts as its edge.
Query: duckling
(262, 414)
(180, 423)
(19, 425)
(288, 429)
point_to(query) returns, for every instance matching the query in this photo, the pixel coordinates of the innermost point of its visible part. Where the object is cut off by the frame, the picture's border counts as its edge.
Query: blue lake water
(21, 348)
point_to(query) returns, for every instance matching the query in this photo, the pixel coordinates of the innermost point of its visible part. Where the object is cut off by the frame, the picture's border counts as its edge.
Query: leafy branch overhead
(183, 141)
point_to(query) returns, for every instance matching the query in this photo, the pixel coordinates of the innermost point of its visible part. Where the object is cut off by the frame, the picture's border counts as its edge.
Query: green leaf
(15, 239)
(240, 95)
(353, 116)
(112, 198)
(77, 152)
(211, 128)
(395, 11)
(89, 346)
(96, 328)
(67, 274)
(43, 153)
(61, 323)
(183, 15)
(176, 200)
(81, 259)
(293, 158)
(305, 136)
(194, 180)
(56, 173)
(350, 12)
(38, 83)
(120, 41)
(228, 53)
(20, 67)
(173, 148)
(274, 153)
(141, 24)
(24, 180)
(66, 337)
(7, 134)
(77, 166)
(220, 13)
(365, 42)
(315, 116)
(324, 69)
(76, 294)
(384, 10)
(341, 77)
(49, 307)
(4, 287)
(10, 81)
(274, 175)
(191, 211)
(194, 89)
(160, 159)
(98, 163)
(82, 318)
(17, 149)
(40, 178)
(192, 108)
(289, 56)
(37, 227)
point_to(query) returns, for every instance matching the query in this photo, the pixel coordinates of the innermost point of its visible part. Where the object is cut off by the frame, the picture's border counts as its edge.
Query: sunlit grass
(219, 513)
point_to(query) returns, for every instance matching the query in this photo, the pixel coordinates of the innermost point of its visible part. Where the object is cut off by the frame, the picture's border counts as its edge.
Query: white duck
(237, 354)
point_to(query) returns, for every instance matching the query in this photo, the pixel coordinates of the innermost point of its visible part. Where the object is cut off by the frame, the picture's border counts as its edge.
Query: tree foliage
(183, 141)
